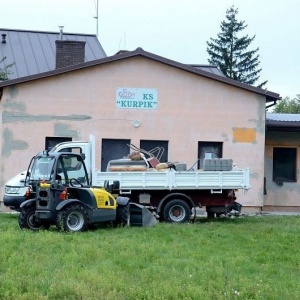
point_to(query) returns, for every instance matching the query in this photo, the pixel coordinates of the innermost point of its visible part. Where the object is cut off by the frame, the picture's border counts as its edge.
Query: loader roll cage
(69, 169)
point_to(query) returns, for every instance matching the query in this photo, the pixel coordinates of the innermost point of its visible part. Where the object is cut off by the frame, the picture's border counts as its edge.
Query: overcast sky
(176, 29)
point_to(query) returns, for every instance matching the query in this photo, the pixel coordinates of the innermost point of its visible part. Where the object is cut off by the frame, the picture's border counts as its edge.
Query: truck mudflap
(141, 216)
(237, 206)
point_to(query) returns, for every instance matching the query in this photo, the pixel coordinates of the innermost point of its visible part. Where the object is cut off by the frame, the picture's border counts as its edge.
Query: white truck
(171, 195)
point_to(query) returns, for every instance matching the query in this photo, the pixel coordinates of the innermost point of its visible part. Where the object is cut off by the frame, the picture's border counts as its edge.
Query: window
(113, 149)
(213, 149)
(50, 142)
(157, 148)
(284, 164)
(76, 150)
(73, 168)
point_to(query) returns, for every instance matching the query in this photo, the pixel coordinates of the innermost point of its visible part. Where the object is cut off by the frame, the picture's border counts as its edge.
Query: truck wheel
(123, 215)
(176, 211)
(72, 218)
(27, 220)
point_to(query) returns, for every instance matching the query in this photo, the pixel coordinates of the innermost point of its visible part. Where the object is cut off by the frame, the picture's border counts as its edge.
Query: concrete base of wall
(272, 208)
(3, 208)
(251, 209)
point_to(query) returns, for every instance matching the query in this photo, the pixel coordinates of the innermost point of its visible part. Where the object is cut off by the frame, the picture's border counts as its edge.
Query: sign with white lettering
(136, 98)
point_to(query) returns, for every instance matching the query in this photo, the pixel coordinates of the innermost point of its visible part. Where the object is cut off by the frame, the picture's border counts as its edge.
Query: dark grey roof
(209, 68)
(270, 96)
(33, 52)
(282, 122)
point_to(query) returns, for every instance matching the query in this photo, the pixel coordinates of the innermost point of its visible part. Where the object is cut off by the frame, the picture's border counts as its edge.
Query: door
(113, 149)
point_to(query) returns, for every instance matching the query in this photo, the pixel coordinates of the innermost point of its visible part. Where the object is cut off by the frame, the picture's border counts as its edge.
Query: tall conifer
(5, 71)
(230, 52)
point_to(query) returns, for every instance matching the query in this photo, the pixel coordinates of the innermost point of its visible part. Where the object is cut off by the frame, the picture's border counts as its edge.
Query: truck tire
(176, 211)
(123, 215)
(73, 218)
(27, 219)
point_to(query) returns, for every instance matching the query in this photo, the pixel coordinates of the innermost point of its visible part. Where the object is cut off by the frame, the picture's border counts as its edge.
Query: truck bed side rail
(184, 180)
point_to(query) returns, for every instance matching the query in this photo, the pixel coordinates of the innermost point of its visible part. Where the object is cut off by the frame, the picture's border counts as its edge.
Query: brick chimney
(69, 53)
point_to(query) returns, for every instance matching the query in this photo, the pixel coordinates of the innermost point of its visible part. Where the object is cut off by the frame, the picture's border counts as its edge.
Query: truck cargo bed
(174, 180)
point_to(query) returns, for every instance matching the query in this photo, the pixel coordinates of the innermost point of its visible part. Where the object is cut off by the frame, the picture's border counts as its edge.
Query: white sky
(176, 29)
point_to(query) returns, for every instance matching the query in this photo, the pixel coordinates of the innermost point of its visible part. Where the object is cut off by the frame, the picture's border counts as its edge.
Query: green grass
(241, 258)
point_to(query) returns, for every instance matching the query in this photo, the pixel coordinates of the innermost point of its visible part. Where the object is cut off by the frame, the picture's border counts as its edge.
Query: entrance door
(113, 149)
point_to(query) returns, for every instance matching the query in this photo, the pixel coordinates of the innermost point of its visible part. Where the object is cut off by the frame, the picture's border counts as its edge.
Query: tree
(5, 72)
(229, 52)
(288, 106)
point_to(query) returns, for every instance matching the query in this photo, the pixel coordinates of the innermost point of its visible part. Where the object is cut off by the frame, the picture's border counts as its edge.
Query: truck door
(113, 149)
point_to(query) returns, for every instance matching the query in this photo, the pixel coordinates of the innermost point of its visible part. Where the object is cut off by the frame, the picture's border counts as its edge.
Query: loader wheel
(123, 215)
(72, 218)
(27, 220)
(176, 211)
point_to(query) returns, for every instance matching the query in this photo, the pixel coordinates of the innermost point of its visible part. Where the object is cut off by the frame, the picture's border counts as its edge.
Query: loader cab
(61, 168)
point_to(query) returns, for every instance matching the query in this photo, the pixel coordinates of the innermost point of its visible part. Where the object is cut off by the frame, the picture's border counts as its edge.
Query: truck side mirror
(116, 185)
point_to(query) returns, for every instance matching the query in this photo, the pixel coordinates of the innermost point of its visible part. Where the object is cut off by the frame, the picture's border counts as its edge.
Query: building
(140, 98)
(282, 162)
(34, 52)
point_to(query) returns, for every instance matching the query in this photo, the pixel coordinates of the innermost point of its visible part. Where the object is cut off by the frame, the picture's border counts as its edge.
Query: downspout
(274, 103)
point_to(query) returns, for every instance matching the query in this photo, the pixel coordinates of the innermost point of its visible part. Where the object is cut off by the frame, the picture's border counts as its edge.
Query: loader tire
(27, 220)
(123, 215)
(176, 211)
(73, 218)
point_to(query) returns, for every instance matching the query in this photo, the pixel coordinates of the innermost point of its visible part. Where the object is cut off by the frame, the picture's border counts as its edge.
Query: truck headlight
(11, 190)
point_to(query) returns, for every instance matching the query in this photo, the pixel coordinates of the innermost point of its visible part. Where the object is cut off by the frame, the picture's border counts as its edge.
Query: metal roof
(209, 68)
(283, 117)
(282, 122)
(139, 52)
(33, 52)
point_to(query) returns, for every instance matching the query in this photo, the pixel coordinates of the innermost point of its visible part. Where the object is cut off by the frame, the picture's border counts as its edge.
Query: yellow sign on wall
(244, 135)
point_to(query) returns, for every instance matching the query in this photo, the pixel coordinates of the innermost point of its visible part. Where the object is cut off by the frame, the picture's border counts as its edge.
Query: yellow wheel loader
(62, 196)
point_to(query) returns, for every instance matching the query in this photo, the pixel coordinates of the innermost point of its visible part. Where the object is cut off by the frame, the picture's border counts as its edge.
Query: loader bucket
(140, 215)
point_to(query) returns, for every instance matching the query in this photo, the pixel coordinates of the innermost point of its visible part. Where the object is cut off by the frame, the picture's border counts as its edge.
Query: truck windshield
(42, 168)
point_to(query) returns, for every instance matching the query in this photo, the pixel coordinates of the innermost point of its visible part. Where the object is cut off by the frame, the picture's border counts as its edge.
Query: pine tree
(5, 71)
(229, 52)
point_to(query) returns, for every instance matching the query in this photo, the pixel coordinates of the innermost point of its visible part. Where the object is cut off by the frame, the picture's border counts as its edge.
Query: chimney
(61, 32)
(69, 53)
(3, 38)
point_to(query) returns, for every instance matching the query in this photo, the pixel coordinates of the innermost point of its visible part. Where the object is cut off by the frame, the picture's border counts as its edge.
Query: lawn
(241, 258)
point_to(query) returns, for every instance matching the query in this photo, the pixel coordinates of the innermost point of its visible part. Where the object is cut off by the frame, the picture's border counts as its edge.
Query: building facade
(140, 98)
(282, 163)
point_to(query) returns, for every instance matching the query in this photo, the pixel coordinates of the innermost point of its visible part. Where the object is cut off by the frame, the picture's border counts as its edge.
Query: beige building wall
(281, 197)
(191, 108)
